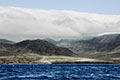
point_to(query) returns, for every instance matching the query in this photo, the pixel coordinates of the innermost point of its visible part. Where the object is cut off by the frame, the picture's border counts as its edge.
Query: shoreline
(40, 59)
(61, 63)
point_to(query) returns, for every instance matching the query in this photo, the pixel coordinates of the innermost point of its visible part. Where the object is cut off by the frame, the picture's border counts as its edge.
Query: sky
(57, 19)
(90, 6)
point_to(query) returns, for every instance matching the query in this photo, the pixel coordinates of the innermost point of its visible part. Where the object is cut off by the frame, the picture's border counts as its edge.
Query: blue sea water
(59, 72)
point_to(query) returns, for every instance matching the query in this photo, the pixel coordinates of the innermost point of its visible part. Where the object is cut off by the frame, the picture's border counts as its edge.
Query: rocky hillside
(34, 46)
(105, 43)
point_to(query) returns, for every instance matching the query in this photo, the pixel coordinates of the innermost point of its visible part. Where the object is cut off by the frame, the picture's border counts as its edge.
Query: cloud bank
(22, 23)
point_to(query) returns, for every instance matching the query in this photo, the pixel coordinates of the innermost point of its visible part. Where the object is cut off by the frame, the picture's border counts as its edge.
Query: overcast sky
(25, 19)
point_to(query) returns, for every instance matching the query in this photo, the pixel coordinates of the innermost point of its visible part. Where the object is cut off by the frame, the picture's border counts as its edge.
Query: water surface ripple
(59, 72)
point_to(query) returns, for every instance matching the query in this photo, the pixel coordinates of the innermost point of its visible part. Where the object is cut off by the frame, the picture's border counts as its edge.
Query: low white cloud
(22, 23)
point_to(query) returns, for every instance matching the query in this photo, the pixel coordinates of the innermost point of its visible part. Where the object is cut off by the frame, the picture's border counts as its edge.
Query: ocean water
(60, 72)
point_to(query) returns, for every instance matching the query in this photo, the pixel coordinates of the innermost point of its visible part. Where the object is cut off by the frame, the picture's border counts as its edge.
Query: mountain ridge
(36, 46)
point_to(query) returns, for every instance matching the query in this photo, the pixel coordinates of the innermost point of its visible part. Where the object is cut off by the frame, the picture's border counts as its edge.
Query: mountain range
(103, 47)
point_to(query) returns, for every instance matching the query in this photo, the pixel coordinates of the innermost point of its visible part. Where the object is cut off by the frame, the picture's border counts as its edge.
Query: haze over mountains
(22, 23)
(6, 41)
